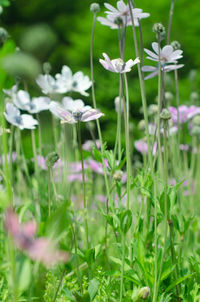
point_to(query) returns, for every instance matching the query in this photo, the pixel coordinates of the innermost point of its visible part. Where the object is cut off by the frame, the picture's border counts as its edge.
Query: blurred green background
(59, 32)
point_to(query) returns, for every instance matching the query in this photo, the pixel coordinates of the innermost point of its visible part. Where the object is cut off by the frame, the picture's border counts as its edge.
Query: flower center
(77, 115)
(119, 65)
(18, 120)
(74, 84)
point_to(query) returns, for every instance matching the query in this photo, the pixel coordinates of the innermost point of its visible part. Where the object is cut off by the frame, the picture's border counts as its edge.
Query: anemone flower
(118, 65)
(12, 91)
(39, 249)
(22, 100)
(121, 13)
(49, 85)
(69, 82)
(154, 70)
(22, 121)
(167, 54)
(76, 112)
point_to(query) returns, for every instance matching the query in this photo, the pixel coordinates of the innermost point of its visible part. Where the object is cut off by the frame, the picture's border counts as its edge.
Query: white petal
(155, 46)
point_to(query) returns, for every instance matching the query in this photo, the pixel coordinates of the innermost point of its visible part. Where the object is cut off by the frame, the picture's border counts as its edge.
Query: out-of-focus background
(59, 32)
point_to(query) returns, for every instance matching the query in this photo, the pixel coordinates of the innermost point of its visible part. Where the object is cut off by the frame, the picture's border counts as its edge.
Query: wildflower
(158, 28)
(144, 293)
(142, 147)
(88, 145)
(122, 11)
(49, 85)
(118, 175)
(154, 70)
(167, 54)
(176, 45)
(22, 121)
(11, 92)
(94, 8)
(118, 65)
(39, 249)
(183, 147)
(76, 111)
(165, 114)
(78, 82)
(22, 100)
(185, 113)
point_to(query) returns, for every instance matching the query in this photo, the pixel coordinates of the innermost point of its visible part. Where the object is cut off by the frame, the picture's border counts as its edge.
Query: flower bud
(117, 101)
(194, 96)
(176, 45)
(195, 130)
(196, 120)
(158, 28)
(94, 8)
(46, 67)
(169, 96)
(141, 125)
(117, 176)
(3, 36)
(153, 109)
(144, 292)
(165, 114)
(51, 159)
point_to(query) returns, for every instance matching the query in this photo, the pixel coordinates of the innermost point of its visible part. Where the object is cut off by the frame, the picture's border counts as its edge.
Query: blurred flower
(167, 54)
(118, 65)
(76, 177)
(69, 82)
(76, 111)
(122, 11)
(184, 147)
(40, 249)
(11, 92)
(22, 121)
(117, 101)
(88, 145)
(13, 158)
(49, 85)
(185, 113)
(22, 100)
(142, 147)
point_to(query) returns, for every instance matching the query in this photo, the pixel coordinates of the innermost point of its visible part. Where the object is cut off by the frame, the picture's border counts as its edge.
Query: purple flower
(142, 147)
(76, 112)
(122, 11)
(118, 65)
(88, 145)
(185, 113)
(76, 177)
(40, 249)
(184, 147)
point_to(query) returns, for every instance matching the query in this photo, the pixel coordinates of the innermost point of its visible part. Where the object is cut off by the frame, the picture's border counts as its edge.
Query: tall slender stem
(142, 89)
(159, 104)
(122, 267)
(170, 21)
(34, 152)
(84, 187)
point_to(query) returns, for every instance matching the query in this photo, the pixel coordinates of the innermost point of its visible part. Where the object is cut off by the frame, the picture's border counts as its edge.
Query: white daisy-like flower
(22, 100)
(167, 54)
(69, 82)
(49, 85)
(74, 111)
(122, 11)
(22, 121)
(118, 65)
(154, 70)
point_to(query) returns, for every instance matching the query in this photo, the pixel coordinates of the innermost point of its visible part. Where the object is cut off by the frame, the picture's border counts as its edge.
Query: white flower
(22, 121)
(48, 84)
(74, 111)
(117, 101)
(154, 70)
(122, 12)
(11, 92)
(69, 82)
(23, 101)
(167, 54)
(118, 65)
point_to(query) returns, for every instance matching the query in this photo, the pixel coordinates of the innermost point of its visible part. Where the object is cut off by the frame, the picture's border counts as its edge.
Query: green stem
(122, 267)
(160, 162)
(142, 89)
(49, 191)
(170, 21)
(84, 186)
(34, 153)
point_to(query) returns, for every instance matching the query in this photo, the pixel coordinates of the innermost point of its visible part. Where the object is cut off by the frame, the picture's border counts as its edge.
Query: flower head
(121, 13)
(48, 84)
(118, 65)
(167, 54)
(69, 82)
(22, 121)
(185, 113)
(22, 100)
(39, 249)
(154, 70)
(74, 111)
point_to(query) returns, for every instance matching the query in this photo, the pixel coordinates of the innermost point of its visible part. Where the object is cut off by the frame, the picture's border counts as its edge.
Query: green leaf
(126, 221)
(90, 256)
(118, 261)
(167, 272)
(24, 276)
(178, 281)
(93, 288)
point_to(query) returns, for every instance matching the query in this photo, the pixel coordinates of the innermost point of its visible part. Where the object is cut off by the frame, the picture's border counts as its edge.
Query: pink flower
(39, 249)
(118, 65)
(184, 147)
(76, 177)
(142, 147)
(88, 145)
(185, 113)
